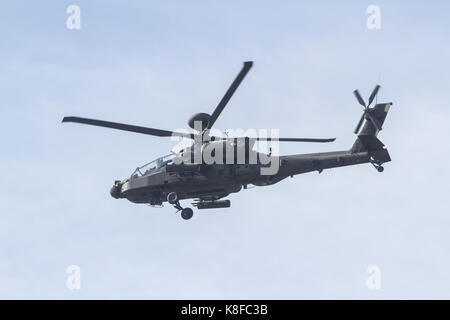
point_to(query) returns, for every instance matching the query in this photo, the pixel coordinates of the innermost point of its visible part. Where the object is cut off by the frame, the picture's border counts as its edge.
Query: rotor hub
(202, 118)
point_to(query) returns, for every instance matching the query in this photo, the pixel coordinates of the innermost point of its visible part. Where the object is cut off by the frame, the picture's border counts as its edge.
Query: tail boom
(366, 149)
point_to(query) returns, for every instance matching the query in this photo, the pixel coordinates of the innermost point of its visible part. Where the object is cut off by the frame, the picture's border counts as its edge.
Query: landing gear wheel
(380, 168)
(172, 198)
(187, 213)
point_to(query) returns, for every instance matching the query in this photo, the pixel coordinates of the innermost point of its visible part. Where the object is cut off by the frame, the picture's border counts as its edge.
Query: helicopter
(215, 166)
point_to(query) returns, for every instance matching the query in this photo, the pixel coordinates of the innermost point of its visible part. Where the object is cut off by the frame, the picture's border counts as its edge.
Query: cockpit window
(151, 166)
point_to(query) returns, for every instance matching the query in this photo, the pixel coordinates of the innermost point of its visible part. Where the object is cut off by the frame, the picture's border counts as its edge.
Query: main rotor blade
(374, 94)
(296, 139)
(229, 93)
(359, 123)
(128, 127)
(360, 99)
(278, 139)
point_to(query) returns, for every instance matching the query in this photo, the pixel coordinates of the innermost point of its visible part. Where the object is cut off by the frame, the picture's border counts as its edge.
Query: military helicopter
(186, 174)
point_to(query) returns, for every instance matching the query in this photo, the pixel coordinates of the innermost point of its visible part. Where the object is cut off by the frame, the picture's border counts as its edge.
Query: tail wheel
(187, 213)
(172, 198)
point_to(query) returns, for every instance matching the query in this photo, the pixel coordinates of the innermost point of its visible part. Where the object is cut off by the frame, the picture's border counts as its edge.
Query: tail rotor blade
(374, 94)
(359, 124)
(374, 121)
(360, 99)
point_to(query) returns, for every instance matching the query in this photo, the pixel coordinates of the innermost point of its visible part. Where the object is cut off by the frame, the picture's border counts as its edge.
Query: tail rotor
(367, 115)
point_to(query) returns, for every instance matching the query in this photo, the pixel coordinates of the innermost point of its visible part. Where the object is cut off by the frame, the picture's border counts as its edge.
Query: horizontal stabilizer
(381, 155)
(375, 148)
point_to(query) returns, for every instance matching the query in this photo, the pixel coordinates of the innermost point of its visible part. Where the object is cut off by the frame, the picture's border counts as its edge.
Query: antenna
(379, 79)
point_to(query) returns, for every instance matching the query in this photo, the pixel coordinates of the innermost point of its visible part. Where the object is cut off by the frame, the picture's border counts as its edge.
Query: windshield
(149, 167)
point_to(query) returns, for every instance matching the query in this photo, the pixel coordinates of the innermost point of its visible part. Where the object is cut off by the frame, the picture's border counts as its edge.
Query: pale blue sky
(155, 63)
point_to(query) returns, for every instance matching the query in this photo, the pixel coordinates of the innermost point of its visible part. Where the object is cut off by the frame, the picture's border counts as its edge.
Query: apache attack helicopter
(182, 176)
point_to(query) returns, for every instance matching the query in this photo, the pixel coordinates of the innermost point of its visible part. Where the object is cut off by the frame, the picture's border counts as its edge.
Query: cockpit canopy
(151, 166)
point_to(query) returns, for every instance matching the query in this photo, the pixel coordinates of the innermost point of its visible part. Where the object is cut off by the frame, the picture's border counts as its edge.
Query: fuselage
(215, 181)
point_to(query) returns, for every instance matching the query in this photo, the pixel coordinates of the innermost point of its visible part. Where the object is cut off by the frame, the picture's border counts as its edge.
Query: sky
(155, 63)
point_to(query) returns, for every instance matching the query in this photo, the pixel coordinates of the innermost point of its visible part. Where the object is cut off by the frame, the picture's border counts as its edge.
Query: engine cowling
(232, 150)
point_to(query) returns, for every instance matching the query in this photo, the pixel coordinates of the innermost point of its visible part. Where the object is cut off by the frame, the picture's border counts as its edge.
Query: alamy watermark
(374, 19)
(373, 282)
(73, 22)
(73, 281)
(211, 147)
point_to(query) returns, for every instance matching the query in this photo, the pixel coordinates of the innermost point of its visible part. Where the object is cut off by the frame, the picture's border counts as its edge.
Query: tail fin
(367, 138)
